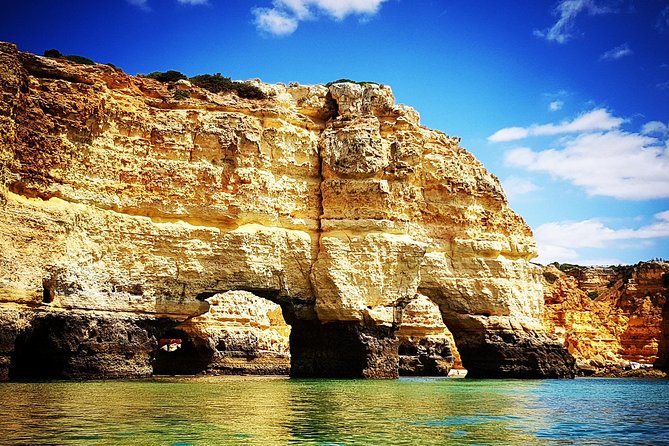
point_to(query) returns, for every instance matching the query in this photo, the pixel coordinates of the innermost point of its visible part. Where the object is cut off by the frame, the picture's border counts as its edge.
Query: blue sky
(566, 101)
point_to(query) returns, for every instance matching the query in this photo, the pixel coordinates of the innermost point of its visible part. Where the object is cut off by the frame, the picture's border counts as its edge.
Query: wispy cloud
(663, 85)
(560, 241)
(617, 52)
(598, 119)
(555, 105)
(275, 22)
(144, 4)
(662, 23)
(516, 186)
(284, 16)
(655, 128)
(141, 4)
(567, 11)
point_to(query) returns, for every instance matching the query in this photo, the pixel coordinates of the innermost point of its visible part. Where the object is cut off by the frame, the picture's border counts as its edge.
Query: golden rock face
(333, 202)
(608, 317)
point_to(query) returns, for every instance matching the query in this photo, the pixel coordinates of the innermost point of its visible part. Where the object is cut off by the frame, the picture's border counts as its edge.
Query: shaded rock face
(80, 345)
(610, 318)
(506, 354)
(120, 200)
(343, 350)
(425, 356)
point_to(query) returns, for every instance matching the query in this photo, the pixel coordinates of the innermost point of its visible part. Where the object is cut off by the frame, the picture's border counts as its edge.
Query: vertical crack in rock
(319, 223)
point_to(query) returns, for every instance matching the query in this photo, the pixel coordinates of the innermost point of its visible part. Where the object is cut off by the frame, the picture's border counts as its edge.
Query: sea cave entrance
(426, 345)
(241, 333)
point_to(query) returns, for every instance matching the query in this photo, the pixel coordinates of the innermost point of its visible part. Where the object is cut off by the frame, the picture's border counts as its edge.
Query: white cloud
(655, 128)
(598, 119)
(284, 15)
(559, 241)
(616, 164)
(555, 105)
(617, 52)
(509, 134)
(567, 10)
(338, 9)
(274, 21)
(193, 2)
(515, 186)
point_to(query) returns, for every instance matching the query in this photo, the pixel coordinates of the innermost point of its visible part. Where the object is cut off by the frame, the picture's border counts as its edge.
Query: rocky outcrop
(610, 318)
(123, 200)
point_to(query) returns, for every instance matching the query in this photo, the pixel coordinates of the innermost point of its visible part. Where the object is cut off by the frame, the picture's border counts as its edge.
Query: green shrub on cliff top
(363, 83)
(166, 76)
(79, 59)
(180, 95)
(221, 84)
(55, 54)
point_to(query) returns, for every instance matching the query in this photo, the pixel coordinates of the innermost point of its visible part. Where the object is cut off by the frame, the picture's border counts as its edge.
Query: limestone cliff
(610, 318)
(123, 201)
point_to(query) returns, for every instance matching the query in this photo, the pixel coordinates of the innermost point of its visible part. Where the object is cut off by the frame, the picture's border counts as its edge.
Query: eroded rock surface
(610, 318)
(120, 200)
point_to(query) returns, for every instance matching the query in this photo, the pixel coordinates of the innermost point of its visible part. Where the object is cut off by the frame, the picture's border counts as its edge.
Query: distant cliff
(136, 216)
(612, 319)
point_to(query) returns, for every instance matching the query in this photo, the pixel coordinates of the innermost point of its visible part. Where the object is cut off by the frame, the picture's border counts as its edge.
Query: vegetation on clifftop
(339, 81)
(55, 54)
(216, 83)
(167, 76)
(181, 95)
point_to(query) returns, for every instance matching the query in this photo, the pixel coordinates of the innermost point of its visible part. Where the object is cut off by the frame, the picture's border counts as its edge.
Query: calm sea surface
(276, 411)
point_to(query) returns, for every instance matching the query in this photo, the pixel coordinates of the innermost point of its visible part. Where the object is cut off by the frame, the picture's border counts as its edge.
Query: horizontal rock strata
(120, 199)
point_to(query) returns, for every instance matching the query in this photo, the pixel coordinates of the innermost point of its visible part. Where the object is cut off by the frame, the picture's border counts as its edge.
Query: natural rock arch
(241, 333)
(426, 345)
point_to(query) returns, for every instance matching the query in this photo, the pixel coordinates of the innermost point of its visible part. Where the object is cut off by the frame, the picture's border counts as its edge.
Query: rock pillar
(343, 350)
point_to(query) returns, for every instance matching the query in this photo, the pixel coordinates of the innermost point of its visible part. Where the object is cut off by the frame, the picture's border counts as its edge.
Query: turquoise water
(276, 411)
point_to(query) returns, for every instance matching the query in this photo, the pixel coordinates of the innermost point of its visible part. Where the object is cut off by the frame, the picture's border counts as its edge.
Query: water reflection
(409, 412)
(254, 411)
